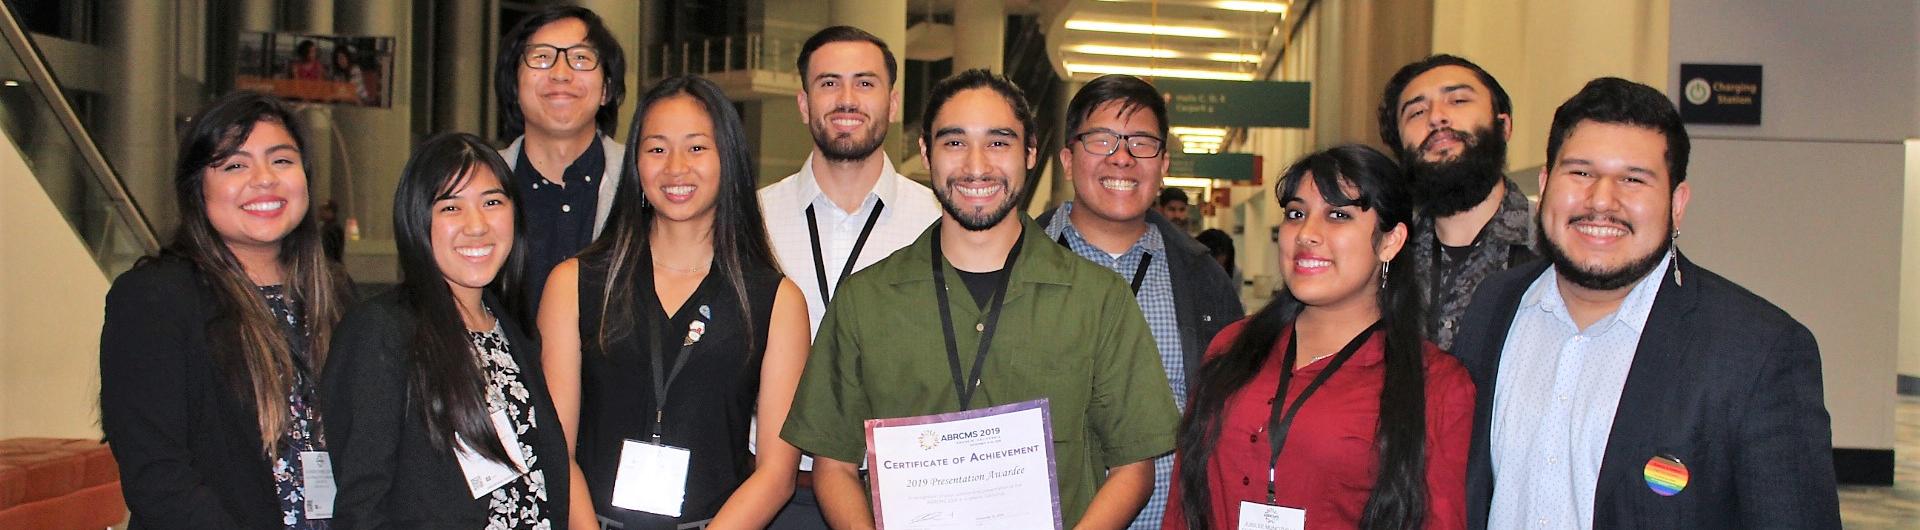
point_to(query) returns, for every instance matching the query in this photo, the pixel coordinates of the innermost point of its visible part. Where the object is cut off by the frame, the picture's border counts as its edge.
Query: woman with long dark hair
(440, 417)
(668, 336)
(1328, 407)
(210, 350)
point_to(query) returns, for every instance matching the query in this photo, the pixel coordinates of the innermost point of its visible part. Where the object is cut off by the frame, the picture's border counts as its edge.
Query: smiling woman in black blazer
(209, 350)
(434, 383)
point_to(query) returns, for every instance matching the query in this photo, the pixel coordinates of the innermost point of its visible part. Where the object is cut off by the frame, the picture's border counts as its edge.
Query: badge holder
(484, 474)
(316, 482)
(652, 476)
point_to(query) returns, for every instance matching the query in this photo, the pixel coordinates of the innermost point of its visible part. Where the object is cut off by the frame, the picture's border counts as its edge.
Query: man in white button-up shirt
(847, 207)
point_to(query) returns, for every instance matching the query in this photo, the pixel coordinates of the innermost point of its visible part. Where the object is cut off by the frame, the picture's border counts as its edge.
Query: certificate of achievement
(985, 468)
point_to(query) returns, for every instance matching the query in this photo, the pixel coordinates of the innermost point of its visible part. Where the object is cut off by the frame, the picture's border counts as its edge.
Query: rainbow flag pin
(1666, 475)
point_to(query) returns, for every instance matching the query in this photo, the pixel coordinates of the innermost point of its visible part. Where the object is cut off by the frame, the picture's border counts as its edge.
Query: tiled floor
(1896, 507)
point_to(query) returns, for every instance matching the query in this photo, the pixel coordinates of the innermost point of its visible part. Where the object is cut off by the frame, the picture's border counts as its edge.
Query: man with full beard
(1620, 384)
(1449, 121)
(847, 207)
(983, 310)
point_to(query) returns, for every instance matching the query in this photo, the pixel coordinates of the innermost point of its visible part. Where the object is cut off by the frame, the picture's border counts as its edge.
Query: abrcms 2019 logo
(929, 440)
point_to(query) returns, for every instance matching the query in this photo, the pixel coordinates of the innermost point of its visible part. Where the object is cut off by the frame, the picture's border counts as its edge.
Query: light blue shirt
(1554, 401)
(1156, 303)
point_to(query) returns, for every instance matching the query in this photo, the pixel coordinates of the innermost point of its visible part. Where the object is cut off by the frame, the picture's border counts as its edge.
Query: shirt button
(1253, 438)
(1563, 398)
(1244, 481)
(589, 179)
(979, 327)
(1543, 522)
(1553, 460)
(566, 208)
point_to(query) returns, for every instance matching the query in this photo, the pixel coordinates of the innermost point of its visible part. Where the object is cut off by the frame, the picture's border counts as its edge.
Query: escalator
(40, 124)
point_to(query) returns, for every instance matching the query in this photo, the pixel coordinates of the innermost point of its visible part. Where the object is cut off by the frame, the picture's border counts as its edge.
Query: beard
(846, 147)
(1598, 278)
(980, 219)
(1447, 187)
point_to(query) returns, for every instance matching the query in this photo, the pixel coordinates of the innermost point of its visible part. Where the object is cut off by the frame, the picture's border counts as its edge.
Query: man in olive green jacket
(1066, 329)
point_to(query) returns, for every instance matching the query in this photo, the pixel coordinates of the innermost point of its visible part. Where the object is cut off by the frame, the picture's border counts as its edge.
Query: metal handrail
(43, 80)
(697, 56)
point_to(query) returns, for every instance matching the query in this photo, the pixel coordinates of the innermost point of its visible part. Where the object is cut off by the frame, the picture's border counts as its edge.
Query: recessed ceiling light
(1158, 72)
(1124, 51)
(1258, 7)
(1203, 131)
(1234, 57)
(1147, 29)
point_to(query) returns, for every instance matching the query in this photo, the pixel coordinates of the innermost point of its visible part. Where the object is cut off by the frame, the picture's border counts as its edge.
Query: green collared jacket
(1070, 332)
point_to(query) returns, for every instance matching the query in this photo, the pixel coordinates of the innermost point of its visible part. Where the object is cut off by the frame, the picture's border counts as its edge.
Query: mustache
(1450, 134)
(1603, 218)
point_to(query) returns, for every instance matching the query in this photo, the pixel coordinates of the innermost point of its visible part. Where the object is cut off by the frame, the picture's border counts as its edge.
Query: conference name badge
(316, 481)
(1257, 516)
(652, 478)
(485, 475)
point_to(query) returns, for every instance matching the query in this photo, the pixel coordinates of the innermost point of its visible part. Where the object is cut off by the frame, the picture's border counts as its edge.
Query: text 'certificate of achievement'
(985, 468)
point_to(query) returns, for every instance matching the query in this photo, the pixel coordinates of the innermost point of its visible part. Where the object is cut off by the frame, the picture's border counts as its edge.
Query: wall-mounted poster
(333, 69)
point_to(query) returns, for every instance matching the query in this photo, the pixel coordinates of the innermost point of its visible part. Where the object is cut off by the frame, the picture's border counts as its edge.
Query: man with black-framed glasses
(560, 77)
(1117, 159)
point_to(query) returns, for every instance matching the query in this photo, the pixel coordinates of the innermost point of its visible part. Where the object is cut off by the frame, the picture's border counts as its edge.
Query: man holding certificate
(1009, 380)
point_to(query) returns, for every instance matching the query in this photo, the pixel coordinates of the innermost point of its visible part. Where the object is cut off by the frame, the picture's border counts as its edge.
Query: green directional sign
(1202, 102)
(1223, 166)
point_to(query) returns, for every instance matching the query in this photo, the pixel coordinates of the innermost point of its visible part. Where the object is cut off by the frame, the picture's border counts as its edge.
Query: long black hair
(1399, 497)
(444, 380)
(256, 359)
(739, 234)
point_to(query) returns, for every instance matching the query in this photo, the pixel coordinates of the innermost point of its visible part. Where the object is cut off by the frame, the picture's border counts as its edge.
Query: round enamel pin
(1666, 475)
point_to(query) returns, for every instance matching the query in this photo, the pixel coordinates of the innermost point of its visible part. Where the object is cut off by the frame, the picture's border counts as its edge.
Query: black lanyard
(1139, 272)
(962, 386)
(820, 262)
(662, 381)
(1278, 423)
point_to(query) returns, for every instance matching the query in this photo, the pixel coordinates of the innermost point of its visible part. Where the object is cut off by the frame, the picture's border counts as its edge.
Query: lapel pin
(1665, 475)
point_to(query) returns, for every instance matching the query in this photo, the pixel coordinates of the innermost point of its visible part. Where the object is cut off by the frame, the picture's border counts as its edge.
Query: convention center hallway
(1898, 506)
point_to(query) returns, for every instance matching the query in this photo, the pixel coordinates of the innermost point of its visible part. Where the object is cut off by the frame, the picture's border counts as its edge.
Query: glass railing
(706, 57)
(42, 125)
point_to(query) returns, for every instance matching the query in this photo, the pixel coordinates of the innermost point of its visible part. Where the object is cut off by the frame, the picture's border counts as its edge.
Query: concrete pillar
(316, 17)
(256, 15)
(886, 19)
(623, 21)
(376, 150)
(462, 89)
(979, 35)
(139, 114)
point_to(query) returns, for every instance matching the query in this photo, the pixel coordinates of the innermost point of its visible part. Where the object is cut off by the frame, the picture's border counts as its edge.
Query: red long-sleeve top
(1328, 464)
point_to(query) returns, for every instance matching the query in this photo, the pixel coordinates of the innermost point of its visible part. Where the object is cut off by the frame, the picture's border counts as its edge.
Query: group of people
(590, 334)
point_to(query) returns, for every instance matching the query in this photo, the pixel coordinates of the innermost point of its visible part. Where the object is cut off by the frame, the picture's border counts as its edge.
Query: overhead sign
(1202, 102)
(1724, 94)
(1223, 166)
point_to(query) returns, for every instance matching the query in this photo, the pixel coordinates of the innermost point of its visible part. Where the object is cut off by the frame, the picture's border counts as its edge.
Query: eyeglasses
(581, 57)
(1102, 143)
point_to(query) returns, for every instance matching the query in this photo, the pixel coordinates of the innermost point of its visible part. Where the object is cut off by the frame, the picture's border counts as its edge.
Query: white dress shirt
(910, 209)
(1554, 402)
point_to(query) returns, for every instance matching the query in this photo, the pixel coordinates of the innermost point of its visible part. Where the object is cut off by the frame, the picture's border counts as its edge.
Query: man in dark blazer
(1621, 385)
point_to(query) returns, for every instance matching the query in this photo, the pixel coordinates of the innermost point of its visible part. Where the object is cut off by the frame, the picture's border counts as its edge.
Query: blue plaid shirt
(1156, 302)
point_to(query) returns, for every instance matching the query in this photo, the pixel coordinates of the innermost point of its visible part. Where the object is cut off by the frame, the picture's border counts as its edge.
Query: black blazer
(1722, 380)
(188, 447)
(389, 474)
(1205, 299)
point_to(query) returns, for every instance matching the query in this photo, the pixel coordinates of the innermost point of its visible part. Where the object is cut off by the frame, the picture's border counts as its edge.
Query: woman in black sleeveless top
(670, 334)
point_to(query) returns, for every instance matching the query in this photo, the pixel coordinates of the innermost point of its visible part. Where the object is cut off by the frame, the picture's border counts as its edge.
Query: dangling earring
(1383, 275)
(1677, 280)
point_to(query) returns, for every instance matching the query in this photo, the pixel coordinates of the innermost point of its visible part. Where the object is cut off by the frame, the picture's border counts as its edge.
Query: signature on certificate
(931, 516)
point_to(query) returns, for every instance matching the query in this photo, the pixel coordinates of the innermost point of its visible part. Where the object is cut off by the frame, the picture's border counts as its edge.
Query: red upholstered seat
(58, 483)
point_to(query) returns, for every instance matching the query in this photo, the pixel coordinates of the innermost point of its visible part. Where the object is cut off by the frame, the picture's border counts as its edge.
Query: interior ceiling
(1238, 42)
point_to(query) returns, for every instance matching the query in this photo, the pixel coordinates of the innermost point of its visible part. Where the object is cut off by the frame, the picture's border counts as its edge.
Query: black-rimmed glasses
(581, 57)
(1102, 143)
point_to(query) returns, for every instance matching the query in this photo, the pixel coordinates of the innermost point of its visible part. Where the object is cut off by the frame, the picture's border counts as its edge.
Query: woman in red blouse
(1371, 425)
